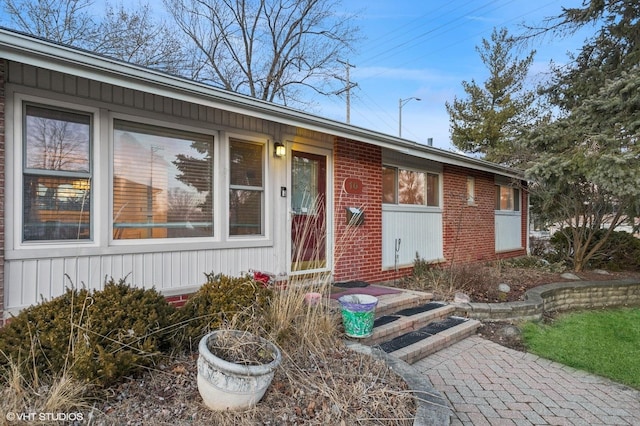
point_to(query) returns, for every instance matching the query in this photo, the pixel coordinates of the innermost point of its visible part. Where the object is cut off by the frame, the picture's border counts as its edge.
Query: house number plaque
(352, 186)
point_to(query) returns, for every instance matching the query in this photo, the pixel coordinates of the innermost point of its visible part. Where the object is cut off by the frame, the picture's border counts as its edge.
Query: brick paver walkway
(488, 384)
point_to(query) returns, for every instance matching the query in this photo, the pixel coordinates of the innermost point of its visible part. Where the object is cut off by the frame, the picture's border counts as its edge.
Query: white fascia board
(44, 54)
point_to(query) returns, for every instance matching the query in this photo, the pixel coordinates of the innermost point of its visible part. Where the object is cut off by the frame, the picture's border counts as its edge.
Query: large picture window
(56, 174)
(246, 189)
(410, 187)
(162, 182)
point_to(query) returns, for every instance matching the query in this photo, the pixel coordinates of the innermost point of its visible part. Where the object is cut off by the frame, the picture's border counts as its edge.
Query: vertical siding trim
(3, 69)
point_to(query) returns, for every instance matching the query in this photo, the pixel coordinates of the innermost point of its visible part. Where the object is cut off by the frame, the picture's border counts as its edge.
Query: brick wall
(469, 230)
(3, 67)
(358, 254)
(563, 296)
(468, 234)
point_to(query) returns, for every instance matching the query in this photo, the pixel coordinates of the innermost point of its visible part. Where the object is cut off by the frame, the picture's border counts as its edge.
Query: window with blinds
(162, 182)
(56, 174)
(246, 188)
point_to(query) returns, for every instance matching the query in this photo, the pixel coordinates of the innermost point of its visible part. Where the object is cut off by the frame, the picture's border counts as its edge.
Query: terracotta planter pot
(226, 385)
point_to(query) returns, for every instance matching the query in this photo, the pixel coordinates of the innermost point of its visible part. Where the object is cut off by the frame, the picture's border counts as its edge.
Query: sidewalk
(488, 384)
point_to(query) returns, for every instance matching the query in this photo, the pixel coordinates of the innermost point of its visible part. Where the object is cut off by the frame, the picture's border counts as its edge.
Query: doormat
(420, 309)
(351, 284)
(420, 334)
(386, 319)
(371, 290)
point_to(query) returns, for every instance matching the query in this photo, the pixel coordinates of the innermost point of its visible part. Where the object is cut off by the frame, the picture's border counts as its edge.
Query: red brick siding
(3, 67)
(179, 300)
(468, 234)
(469, 231)
(358, 250)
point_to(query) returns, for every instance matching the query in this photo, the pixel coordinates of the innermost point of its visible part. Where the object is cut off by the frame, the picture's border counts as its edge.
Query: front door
(308, 211)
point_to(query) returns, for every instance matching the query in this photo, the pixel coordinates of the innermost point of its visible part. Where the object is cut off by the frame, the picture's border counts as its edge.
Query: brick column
(358, 249)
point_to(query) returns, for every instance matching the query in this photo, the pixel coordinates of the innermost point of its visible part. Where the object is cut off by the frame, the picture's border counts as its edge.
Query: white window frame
(263, 143)
(155, 242)
(14, 157)
(102, 242)
(266, 194)
(471, 191)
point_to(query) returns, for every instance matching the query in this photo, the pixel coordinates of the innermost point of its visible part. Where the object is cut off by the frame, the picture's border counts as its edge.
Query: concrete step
(409, 326)
(390, 303)
(406, 320)
(429, 339)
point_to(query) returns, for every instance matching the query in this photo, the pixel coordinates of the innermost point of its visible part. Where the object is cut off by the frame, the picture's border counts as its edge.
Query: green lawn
(603, 342)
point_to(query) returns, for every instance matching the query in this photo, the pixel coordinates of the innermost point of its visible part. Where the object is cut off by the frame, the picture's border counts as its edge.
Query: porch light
(279, 150)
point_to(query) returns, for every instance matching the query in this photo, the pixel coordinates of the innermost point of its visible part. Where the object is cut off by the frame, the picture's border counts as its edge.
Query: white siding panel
(418, 231)
(508, 231)
(169, 272)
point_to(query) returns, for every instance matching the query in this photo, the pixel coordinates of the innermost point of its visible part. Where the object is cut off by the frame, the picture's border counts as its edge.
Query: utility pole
(347, 88)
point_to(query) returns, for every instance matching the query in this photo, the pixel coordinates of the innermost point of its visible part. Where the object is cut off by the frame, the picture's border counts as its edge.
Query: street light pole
(401, 103)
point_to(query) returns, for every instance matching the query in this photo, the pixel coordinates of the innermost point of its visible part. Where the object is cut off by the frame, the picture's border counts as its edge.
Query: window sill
(121, 247)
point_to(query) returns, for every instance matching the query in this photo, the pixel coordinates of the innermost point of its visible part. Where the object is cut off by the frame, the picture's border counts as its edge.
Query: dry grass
(61, 394)
(332, 386)
(445, 281)
(318, 382)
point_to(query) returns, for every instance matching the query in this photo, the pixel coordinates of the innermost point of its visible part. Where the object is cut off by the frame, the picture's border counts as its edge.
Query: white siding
(169, 272)
(508, 231)
(419, 231)
(173, 267)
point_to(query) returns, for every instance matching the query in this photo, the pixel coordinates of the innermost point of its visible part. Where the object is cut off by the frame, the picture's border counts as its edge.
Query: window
(471, 191)
(507, 198)
(56, 174)
(389, 185)
(410, 187)
(246, 188)
(162, 182)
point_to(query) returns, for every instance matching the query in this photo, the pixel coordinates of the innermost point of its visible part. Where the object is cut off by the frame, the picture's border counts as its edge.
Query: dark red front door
(308, 207)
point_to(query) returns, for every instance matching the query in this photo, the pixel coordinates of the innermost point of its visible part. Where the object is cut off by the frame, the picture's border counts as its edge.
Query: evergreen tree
(587, 171)
(491, 118)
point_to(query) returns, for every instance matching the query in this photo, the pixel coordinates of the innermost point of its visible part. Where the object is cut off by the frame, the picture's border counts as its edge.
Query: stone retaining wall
(557, 297)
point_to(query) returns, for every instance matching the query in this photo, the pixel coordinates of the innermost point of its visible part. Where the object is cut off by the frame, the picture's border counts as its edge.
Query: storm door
(308, 211)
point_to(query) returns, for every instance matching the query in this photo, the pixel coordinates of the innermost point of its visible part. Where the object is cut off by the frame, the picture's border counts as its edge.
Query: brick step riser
(395, 304)
(392, 307)
(415, 352)
(407, 324)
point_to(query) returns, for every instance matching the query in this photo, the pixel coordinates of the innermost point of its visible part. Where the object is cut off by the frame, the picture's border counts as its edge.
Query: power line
(410, 43)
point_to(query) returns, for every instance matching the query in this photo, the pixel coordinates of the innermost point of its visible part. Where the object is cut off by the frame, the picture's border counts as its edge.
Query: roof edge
(20, 47)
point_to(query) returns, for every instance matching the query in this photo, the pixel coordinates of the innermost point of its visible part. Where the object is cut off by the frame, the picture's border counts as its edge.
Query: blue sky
(426, 49)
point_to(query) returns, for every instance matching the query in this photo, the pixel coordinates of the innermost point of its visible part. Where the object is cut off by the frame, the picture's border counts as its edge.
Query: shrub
(620, 252)
(535, 262)
(221, 299)
(97, 336)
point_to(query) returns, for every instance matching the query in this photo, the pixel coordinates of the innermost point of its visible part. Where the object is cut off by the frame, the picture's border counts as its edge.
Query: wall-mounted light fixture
(279, 149)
